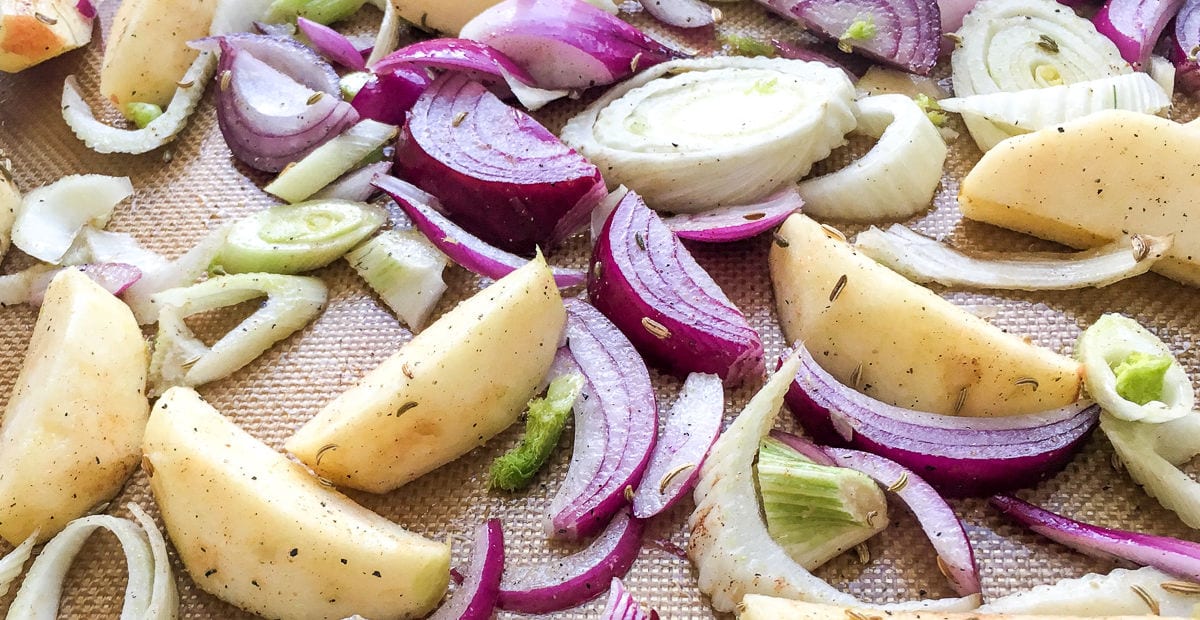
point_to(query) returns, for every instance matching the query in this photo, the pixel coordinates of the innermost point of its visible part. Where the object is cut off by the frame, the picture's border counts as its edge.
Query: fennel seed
(954, 38)
(856, 378)
(666, 480)
(899, 484)
(1180, 587)
(753, 217)
(1115, 462)
(148, 465)
(1191, 55)
(837, 288)
(407, 370)
(1149, 600)
(459, 118)
(187, 84)
(640, 240)
(962, 400)
(633, 64)
(871, 516)
(854, 615)
(780, 241)
(833, 233)
(315, 97)
(1048, 43)
(628, 493)
(1141, 249)
(1028, 381)
(325, 482)
(864, 553)
(226, 78)
(405, 407)
(658, 330)
(597, 269)
(943, 568)
(717, 16)
(45, 19)
(325, 448)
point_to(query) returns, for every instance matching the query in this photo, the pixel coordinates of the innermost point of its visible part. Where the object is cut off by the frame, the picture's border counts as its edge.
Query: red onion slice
(570, 44)
(647, 283)
(112, 277)
(86, 9)
(475, 598)
(907, 33)
(1135, 25)
(691, 430)
(462, 247)
(577, 578)
(497, 172)
(735, 223)
(332, 44)
(282, 53)
(959, 456)
(1185, 44)
(616, 421)
(622, 606)
(1171, 555)
(388, 97)
(475, 60)
(682, 13)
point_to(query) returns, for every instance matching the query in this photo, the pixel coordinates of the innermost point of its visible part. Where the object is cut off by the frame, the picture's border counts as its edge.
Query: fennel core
(544, 424)
(863, 29)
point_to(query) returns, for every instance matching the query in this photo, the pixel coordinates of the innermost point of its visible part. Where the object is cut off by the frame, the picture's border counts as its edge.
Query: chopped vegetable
(622, 606)
(332, 44)
(861, 30)
(476, 598)
(1185, 41)
(922, 259)
(160, 275)
(902, 33)
(815, 511)
(1119, 593)
(691, 135)
(1123, 368)
(544, 421)
(295, 238)
(10, 203)
(51, 217)
(1152, 454)
(1135, 26)
(742, 45)
(13, 563)
(324, 164)
(320, 11)
(896, 179)
(180, 358)
(142, 114)
(405, 270)
(388, 97)
(355, 185)
(736, 222)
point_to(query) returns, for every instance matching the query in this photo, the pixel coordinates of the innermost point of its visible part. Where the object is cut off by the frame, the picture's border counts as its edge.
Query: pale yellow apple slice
(457, 384)
(73, 426)
(256, 530)
(146, 52)
(901, 343)
(32, 31)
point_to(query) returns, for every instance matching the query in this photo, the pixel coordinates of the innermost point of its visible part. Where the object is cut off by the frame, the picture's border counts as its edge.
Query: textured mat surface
(193, 184)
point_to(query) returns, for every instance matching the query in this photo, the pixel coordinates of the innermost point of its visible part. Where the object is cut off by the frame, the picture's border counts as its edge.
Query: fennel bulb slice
(300, 237)
(1099, 595)
(1152, 453)
(1132, 374)
(51, 217)
(405, 269)
(690, 135)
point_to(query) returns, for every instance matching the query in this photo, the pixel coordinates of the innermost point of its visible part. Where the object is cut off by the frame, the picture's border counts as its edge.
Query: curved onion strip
(1018, 112)
(106, 139)
(690, 135)
(1185, 44)
(1114, 594)
(738, 222)
(922, 259)
(645, 281)
(567, 44)
(692, 427)
(1151, 453)
(498, 172)
(906, 33)
(957, 455)
(1109, 342)
(1011, 45)
(682, 13)
(616, 423)
(462, 247)
(475, 598)
(12, 564)
(1135, 26)
(149, 594)
(1172, 555)
(895, 179)
(622, 606)
(478, 62)
(332, 44)
(730, 545)
(575, 579)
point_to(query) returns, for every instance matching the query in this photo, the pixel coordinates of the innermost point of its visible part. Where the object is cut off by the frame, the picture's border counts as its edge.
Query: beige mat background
(193, 184)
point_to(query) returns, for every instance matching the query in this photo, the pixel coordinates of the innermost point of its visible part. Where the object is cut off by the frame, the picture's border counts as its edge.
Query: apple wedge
(256, 530)
(455, 385)
(1092, 180)
(10, 201)
(32, 31)
(146, 53)
(900, 342)
(73, 426)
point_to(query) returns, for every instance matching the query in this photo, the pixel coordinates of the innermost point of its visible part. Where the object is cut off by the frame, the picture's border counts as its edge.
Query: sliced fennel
(690, 135)
(388, 37)
(106, 139)
(330, 160)
(234, 16)
(1108, 595)
(1163, 72)
(150, 592)
(816, 511)
(51, 217)
(1117, 354)
(13, 564)
(104, 246)
(1152, 453)
(10, 202)
(166, 275)
(544, 424)
(295, 238)
(730, 544)
(404, 268)
(1018, 112)
(922, 259)
(1013, 45)
(181, 359)
(895, 179)
(320, 11)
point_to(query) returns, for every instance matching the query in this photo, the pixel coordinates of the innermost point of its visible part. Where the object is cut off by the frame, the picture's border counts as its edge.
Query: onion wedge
(622, 606)
(107, 139)
(475, 598)
(1185, 43)
(730, 545)
(922, 259)
(895, 179)
(1135, 26)
(1152, 453)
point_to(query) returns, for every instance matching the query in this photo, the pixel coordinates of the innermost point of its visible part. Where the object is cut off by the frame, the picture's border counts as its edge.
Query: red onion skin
(1135, 26)
(736, 223)
(476, 598)
(642, 275)
(497, 172)
(388, 97)
(476, 60)
(1185, 39)
(1171, 555)
(622, 606)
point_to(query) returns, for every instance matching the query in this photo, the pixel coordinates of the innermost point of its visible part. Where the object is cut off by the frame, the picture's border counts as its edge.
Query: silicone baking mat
(193, 184)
